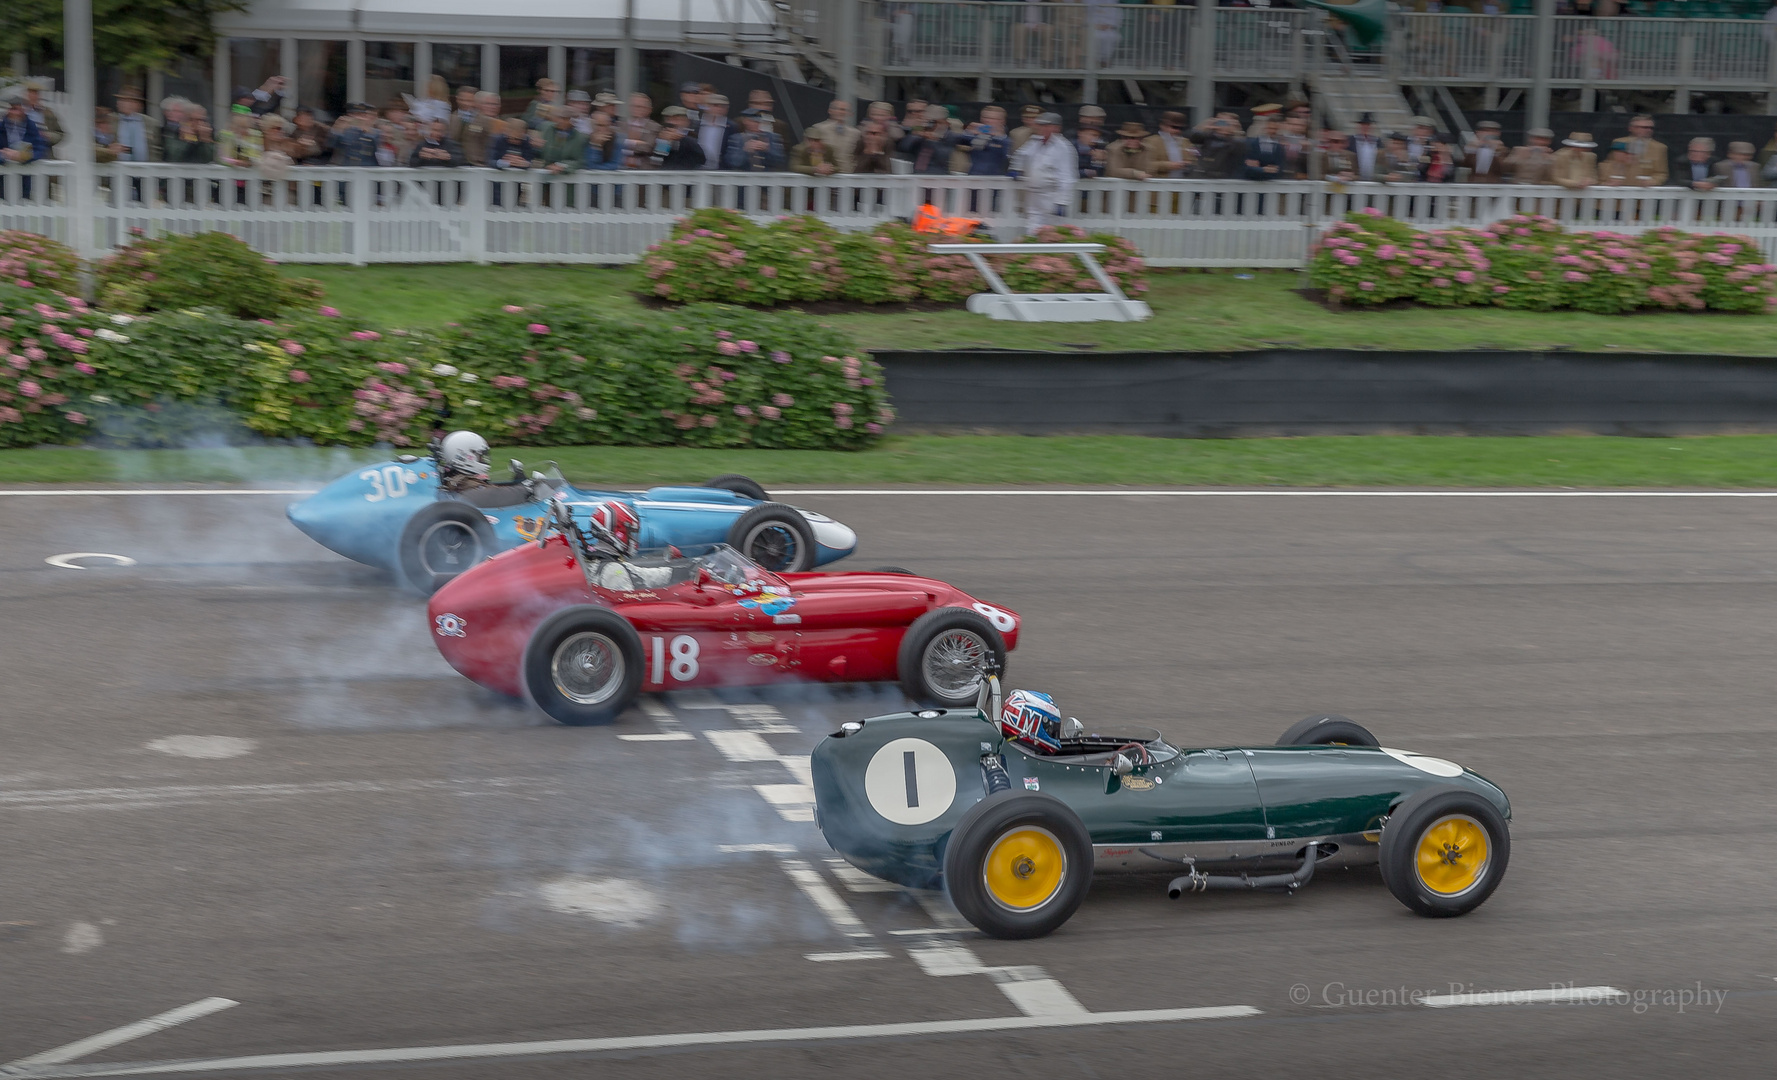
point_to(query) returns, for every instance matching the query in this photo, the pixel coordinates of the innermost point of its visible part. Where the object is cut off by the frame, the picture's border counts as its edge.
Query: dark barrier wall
(1331, 392)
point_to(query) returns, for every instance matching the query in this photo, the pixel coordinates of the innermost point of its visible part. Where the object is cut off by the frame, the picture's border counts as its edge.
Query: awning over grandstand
(551, 22)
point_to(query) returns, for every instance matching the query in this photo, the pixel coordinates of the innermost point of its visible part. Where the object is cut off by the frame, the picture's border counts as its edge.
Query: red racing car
(581, 622)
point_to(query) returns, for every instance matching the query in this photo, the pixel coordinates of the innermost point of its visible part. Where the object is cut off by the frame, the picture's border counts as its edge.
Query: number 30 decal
(683, 654)
(1001, 620)
(388, 482)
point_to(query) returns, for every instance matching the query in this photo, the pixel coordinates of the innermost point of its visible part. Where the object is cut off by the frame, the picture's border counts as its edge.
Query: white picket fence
(359, 216)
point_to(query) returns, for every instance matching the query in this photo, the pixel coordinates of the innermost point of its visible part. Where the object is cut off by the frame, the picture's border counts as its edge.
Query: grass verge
(1727, 461)
(1219, 311)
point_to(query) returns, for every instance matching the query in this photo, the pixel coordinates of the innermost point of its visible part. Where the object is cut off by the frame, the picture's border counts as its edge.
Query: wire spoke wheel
(588, 668)
(449, 547)
(953, 662)
(1452, 855)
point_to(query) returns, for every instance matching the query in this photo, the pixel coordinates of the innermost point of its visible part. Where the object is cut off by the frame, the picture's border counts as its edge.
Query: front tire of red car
(1018, 864)
(946, 654)
(583, 665)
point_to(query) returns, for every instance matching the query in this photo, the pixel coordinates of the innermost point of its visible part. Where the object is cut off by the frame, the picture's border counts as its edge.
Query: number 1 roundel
(910, 782)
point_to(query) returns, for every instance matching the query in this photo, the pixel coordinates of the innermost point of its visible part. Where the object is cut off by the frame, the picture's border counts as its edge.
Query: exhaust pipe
(1196, 882)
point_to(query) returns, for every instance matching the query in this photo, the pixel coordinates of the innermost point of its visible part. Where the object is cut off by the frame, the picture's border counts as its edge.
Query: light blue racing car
(397, 515)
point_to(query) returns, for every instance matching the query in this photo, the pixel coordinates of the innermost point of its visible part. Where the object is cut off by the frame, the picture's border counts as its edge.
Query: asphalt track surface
(396, 860)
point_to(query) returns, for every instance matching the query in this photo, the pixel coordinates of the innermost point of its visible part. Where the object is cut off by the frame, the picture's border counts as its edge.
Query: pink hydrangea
(728, 348)
(780, 356)
(366, 335)
(393, 367)
(512, 309)
(29, 388)
(842, 422)
(840, 408)
(331, 313)
(294, 348)
(724, 334)
(742, 410)
(537, 328)
(748, 346)
(783, 400)
(873, 428)
(769, 413)
(1467, 277)
(78, 418)
(1366, 285)
(9, 415)
(297, 375)
(84, 368)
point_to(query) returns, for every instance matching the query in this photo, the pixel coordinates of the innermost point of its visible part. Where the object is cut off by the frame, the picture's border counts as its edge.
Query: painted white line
(762, 719)
(1041, 997)
(857, 881)
(741, 746)
(802, 768)
(939, 908)
(70, 560)
(775, 849)
(815, 887)
(923, 931)
(1031, 989)
(1288, 492)
(158, 491)
(695, 699)
(655, 711)
(662, 736)
(1557, 995)
(104, 1040)
(137, 798)
(793, 802)
(861, 954)
(486, 1051)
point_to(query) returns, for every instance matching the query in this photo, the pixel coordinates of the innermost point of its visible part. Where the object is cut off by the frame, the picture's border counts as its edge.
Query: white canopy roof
(549, 22)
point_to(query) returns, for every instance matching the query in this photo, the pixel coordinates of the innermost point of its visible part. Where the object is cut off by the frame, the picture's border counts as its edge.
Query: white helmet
(465, 452)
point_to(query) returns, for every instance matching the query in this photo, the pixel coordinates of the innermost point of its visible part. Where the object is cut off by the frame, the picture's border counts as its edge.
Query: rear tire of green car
(1327, 729)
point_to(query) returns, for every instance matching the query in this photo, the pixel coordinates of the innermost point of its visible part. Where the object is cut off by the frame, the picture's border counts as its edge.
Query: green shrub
(45, 371)
(210, 269)
(877, 270)
(1065, 273)
(1530, 263)
(30, 261)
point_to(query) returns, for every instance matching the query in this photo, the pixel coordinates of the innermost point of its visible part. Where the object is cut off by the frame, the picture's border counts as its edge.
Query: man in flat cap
(1027, 126)
(133, 142)
(1534, 162)
(1049, 167)
(1738, 170)
(838, 134)
(1486, 153)
(1575, 165)
(1170, 154)
(1127, 156)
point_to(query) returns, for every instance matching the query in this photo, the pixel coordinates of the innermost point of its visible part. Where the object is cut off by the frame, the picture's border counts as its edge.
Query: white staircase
(1348, 94)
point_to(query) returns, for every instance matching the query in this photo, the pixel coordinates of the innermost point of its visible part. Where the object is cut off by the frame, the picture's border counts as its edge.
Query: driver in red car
(618, 530)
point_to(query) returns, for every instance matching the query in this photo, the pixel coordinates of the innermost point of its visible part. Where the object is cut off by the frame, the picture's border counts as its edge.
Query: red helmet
(617, 524)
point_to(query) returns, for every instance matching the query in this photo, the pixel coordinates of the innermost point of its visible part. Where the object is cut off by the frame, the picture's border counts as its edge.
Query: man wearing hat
(580, 105)
(1424, 133)
(1575, 166)
(133, 142)
(714, 130)
(1049, 167)
(1091, 116)
(1739, 170)
(1170, 154)
(752, 148)
(1366, 148)
(1027, 126)
(548, 93)
(1534, 162)
(1262, 116)
(1127, 158)
(838, 134)
(1486, 154)
(683, 153)
(48, 124)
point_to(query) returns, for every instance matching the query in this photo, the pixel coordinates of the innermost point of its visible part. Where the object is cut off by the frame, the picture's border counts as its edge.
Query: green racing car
(1012, 810)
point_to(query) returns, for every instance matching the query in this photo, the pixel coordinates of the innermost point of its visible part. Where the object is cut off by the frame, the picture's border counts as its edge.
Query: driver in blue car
(462, 462)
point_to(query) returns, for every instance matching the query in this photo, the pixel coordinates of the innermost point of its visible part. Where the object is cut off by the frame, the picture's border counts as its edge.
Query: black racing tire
(1426, 842)
(441, 541)
(561, 681)
(740, 485)
(775, 536)
(1327, 729)
(927, 662)
(1018, 864)
(894, 570)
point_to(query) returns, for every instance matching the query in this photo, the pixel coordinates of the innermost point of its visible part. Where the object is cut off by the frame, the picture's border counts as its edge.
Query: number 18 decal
(682, 654)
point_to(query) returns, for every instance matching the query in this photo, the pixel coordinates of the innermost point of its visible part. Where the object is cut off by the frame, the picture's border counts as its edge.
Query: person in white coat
(1049, 167)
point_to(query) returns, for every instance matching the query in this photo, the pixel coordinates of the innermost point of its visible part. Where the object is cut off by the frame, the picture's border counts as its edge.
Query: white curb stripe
(107, 1039)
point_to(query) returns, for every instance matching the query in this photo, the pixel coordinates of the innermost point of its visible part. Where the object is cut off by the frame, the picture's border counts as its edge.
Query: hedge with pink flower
(721, 255)
(1531, 263)
(702, 375)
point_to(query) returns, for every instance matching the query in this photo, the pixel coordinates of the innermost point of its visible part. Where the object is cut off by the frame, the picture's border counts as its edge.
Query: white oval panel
(910, 782)
(1002, 621)
(1437, 766)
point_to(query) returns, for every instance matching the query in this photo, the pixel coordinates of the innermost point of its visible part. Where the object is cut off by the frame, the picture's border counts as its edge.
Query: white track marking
(793, 802)
(857, 881)
(1557, 995)
(664, 719)
(860, 954)
(741, 746)
(486, 1051)
(1043, 493)
(70, 560)
(82, 937)
(762, 720)
(775, 849)
(105, 1040)
(838, 913)
(209, 747)
(747, 746)
(1031, 989)
(616, 901)
(660, 736)
(695, 699)
(938, 907)
(924, 930)
(141, 798)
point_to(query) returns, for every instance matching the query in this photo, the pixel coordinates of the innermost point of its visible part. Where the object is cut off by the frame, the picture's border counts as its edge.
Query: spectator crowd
(564, 133)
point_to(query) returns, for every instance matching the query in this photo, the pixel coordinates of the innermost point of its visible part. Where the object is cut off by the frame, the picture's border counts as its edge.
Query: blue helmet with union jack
(1032, 719)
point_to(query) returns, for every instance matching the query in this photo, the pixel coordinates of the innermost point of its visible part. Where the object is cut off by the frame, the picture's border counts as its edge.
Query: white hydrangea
(472, 403)
(101, 399)
(469, 376)
(123, 320)
(443, 369)
(251, 346)
(111, 335)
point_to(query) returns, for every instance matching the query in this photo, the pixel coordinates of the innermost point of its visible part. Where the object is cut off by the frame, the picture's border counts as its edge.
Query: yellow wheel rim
(1025, 869)
(1453, 855)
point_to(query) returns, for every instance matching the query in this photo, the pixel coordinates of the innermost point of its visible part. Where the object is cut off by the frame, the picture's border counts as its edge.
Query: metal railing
(343, 215)
(1496, 49)
(965, 37)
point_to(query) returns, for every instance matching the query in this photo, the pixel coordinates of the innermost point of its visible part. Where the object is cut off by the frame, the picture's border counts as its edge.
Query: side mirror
(517, 468)
(1121, 765)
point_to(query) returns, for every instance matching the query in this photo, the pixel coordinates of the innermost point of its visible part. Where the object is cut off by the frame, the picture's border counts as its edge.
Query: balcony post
(1202, 94)
(1687, 50)
(847, 49)
(1542, 62)
(77, 123)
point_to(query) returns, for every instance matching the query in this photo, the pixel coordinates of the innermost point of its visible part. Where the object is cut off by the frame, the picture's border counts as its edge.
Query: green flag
(1368, 19)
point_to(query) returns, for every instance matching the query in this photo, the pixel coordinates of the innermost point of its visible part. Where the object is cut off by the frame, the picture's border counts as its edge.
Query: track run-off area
(251, 823)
